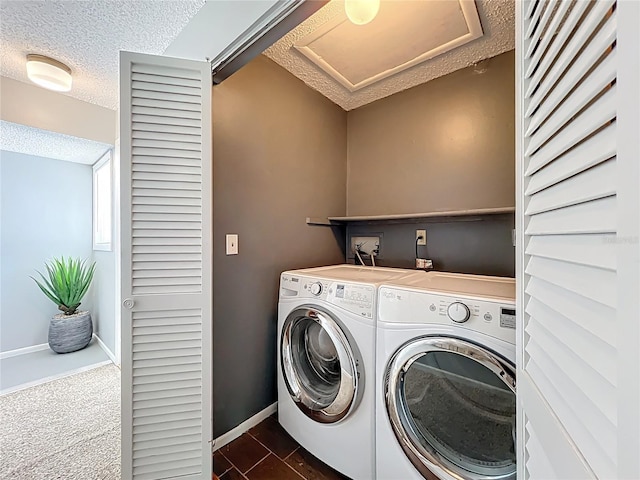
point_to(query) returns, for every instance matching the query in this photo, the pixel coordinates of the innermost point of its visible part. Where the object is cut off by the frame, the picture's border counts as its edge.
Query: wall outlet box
(365, 245)
(232, 244)
(421, 237)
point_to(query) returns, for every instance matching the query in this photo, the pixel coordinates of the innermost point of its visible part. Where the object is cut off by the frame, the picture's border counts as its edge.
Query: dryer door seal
(452, 406)
(319, 365)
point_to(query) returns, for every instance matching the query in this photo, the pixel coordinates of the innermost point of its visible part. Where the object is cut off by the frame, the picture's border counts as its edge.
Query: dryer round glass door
(452, 406)
(319, 366)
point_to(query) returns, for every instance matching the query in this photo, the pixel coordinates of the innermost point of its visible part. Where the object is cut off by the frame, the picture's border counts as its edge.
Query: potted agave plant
(66, 283)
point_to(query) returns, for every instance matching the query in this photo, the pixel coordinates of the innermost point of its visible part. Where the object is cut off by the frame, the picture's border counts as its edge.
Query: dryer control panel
(397, 305)
(353, 297)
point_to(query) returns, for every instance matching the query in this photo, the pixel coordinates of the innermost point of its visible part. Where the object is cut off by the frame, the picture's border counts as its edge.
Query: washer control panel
(353, 297)
(493, 318)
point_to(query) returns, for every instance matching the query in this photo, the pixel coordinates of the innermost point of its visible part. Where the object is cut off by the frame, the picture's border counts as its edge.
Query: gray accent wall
(46, 211)
(279, 156)
(448, 144)
(480, 245)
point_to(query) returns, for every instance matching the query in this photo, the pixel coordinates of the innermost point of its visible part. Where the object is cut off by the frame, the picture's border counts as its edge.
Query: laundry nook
(320, 239)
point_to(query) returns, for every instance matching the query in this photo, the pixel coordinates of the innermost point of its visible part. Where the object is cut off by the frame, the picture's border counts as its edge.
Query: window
(102, 203)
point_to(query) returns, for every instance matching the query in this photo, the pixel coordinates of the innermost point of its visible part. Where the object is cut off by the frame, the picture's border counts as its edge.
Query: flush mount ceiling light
(48, 73)
(361, 12)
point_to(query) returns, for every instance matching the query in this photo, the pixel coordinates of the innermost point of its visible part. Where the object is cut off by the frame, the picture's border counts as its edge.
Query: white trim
(628, 240)
(54, 377)
(23, 350)
(236, 432)
(115, 166)
(519, 236)
(106, 349)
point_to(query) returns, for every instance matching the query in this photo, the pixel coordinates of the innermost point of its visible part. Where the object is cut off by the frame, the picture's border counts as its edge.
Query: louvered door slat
(601, 76)
(598, 182)
(541, 25)
(166, 105)
(168, 144)
(589, 57)
(166, 268)
(602, 111)
(539, 46)
(165, 121)
(585, 313)
(575, 248)
(183, 135)
(160, 128)
(597, 216)
(169, 417)
(591, 283)
(558, 39)
(588, 440)
(540, 466)
(596, 393)
(154, 94)
(165, 82)
(592, 151)
(166, 152)
(535, 17)
(180, 207)
(570, 215)
(568, 53)
(581, 342)
(164, 362)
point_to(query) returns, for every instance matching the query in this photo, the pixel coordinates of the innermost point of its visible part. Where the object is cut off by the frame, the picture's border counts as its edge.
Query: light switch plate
(232, 244)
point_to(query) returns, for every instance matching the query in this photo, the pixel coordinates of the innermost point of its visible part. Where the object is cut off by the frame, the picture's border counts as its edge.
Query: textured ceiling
(87, 36)
(498, 24)
(42, 143)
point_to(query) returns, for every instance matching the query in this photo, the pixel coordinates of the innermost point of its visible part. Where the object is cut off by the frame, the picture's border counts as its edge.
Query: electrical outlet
(423, 234)
(232, 244)
(366, 245)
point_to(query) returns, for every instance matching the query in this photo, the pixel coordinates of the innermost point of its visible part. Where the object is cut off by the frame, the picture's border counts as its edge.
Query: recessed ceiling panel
(403, 34)
(345, 66)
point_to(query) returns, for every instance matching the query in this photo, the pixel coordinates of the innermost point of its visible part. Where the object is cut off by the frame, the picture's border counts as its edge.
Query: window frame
(105, 160)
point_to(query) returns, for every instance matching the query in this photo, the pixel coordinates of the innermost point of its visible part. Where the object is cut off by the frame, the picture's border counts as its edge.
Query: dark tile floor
(267, 452)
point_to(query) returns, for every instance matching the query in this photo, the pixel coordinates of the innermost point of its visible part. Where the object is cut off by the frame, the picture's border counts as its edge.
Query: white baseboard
(22, 351)
(231, 435)
(106, 349)
(22, 386)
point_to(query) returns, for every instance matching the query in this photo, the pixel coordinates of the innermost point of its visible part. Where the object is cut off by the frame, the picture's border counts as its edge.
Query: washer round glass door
(452, 407)
(319, 365)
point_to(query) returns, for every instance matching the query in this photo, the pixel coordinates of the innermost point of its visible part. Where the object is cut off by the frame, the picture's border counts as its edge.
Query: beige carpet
(65, 429)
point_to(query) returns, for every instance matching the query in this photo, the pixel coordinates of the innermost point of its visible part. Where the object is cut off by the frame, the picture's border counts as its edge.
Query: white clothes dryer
(446, 382)
(326, 361)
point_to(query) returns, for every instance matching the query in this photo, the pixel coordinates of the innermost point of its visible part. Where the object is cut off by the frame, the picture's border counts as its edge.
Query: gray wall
(480, 245)
(46, 211)
(103, 298)
(444, 145)
(279, 155)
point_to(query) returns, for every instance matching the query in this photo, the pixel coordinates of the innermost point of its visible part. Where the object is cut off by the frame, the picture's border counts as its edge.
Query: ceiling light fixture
(48, 73)
(361, 12)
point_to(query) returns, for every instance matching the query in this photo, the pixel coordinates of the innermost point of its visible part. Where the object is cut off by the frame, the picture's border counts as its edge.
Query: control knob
(316, 288)
(458, 312)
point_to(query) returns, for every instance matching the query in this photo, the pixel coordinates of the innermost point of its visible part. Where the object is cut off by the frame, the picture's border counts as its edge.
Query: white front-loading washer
(326, 362)
(446, 381)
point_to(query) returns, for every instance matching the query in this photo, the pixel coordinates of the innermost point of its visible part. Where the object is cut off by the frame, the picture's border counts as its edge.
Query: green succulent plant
(67, 282)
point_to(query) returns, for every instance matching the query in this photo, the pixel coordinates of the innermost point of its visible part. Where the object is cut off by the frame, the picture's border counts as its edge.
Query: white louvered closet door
(165, 134)
(577, 221)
